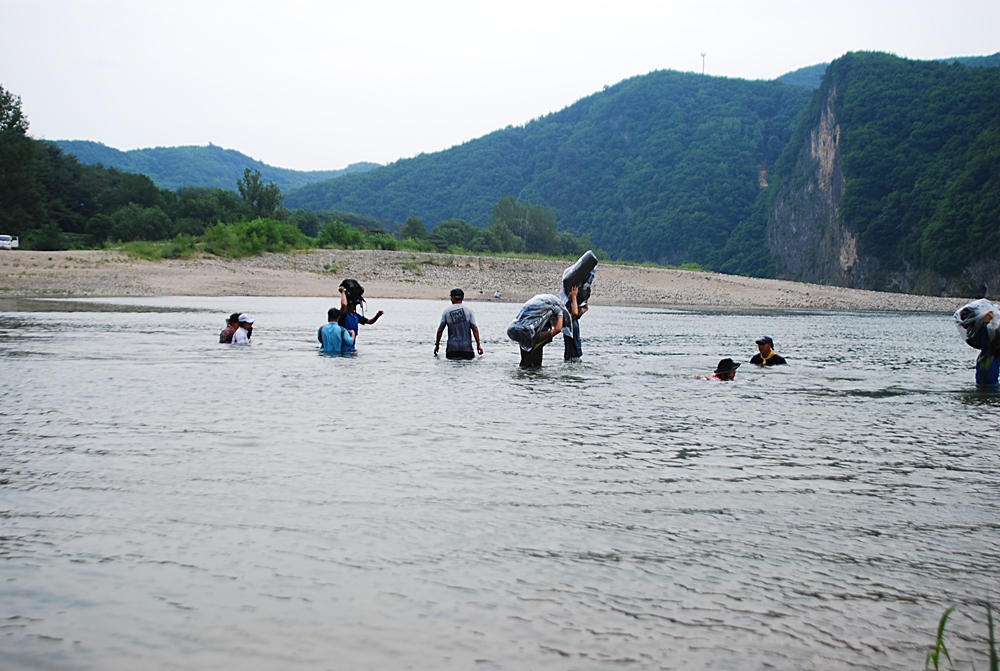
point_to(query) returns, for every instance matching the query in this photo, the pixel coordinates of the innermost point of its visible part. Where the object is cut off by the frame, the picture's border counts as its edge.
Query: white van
(8, 242)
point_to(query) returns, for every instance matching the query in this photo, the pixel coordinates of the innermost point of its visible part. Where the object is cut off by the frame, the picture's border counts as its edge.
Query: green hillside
(175, 167)
(660, 167)
(808, 77)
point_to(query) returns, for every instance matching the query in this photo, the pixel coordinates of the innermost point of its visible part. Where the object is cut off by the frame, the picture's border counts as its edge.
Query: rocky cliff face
(805, 232)
(811, 241)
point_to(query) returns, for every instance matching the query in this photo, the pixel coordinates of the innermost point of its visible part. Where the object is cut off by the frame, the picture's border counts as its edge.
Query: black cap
(765, 340)
(725, 366)
(457, 293)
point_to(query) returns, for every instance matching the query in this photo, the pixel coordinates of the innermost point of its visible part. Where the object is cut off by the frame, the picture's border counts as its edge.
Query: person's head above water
(234, 319)
(333, 314)
(764, 345)
(726, 370)
(245, 319)
(457, 295)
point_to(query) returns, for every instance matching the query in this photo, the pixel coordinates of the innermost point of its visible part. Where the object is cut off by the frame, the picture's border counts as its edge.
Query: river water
(170, 503)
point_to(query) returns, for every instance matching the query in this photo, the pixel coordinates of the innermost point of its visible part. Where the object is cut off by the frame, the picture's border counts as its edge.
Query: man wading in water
(766, 355)
(461, 323)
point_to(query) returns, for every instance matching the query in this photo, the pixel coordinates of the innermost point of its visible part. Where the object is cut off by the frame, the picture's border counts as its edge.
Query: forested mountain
(176, 167)
(892, 179)
(660, 167)
(812, 76)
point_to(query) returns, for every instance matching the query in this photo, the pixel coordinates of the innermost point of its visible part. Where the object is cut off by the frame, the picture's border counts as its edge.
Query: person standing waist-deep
(461, 323)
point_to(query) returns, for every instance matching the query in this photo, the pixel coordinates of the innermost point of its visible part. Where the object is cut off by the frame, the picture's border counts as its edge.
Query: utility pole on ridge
(703, 62)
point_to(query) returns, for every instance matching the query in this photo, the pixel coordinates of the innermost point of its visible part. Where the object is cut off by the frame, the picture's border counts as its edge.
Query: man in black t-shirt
(766, 355)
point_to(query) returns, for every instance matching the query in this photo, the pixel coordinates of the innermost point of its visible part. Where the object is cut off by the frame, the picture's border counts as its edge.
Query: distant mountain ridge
(175, 167)
(812, 75)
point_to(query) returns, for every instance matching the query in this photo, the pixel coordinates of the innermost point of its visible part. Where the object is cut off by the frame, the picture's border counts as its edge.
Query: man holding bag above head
(577, 281)
(351, 295)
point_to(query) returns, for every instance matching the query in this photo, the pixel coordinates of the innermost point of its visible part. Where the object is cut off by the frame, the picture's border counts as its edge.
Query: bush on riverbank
(181, 247)
(247, 238)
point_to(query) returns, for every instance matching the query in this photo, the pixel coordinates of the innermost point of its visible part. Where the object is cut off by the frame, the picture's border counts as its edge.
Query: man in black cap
(767, 356)
(461, 323)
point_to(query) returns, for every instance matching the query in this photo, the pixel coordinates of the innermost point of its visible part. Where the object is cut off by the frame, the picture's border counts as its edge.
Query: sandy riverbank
(415, 275)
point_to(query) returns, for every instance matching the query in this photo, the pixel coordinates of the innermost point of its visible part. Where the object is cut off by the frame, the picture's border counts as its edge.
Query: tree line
(53, 201)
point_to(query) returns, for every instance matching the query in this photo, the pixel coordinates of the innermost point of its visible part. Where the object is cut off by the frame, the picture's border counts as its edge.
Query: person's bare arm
(377, 315)
(437, 340)
(343, 300)
(547, 336)
(475, 332)
(574, 309)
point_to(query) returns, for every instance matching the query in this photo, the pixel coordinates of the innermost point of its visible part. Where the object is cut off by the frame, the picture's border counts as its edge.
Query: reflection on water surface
(166, 502)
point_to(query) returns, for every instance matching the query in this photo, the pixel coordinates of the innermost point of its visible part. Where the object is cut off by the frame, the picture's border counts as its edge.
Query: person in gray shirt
(461, 323)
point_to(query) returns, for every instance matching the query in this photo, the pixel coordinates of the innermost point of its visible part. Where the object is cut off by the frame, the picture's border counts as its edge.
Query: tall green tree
(261, 199)
(534, 225)
(20, 197)
(413, 228)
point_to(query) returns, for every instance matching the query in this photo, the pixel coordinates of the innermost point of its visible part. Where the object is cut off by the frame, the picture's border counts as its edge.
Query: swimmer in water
(724, 372)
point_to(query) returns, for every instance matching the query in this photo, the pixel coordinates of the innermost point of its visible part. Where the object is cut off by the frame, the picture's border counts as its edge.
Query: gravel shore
(418, 275)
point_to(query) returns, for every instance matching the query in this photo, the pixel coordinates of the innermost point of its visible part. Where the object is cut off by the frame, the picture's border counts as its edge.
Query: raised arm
(574, 308)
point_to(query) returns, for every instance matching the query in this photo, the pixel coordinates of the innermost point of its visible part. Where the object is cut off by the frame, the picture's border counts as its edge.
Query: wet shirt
(350, 321)
(460, 320)
(227, 335)
(334, 338)
(241, 337)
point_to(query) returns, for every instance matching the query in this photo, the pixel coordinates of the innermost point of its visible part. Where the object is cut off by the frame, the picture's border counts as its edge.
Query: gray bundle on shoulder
(970, 320)
(534, 317)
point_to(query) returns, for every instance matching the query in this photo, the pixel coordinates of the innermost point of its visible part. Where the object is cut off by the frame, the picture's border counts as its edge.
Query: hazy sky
(319, 85)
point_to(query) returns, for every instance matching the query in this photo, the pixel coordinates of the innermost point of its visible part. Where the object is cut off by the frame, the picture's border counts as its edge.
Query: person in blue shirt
(988, 361)
(333, 337)
(350, 319)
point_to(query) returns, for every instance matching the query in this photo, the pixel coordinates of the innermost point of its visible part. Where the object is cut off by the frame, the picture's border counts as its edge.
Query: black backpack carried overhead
(354, 291)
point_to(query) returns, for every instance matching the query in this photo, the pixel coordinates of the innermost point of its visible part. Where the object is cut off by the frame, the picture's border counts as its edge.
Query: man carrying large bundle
(539, 320)
(979, 325)
(578, 281)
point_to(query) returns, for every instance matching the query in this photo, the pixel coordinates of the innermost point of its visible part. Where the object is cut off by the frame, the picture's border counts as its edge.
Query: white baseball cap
(245, 318)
